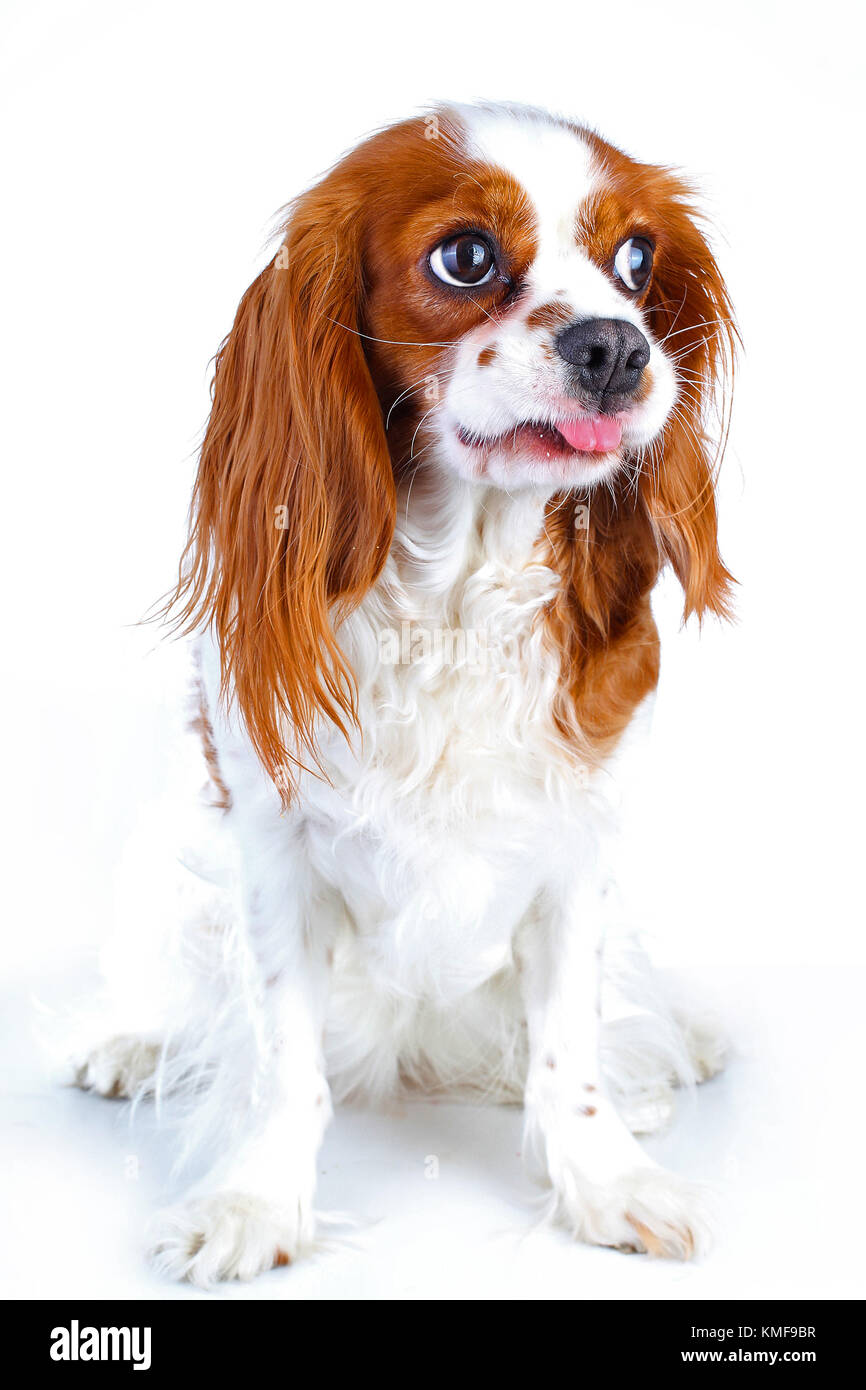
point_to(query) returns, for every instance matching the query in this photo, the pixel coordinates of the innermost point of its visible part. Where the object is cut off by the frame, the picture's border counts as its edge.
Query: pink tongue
(597, 435)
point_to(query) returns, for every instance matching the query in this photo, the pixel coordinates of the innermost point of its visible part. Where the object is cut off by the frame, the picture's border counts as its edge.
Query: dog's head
(490, 288)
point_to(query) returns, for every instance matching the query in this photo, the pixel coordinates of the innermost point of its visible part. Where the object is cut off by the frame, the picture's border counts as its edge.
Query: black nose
(608, 355)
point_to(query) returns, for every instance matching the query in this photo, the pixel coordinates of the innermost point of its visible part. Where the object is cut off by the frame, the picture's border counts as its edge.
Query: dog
(459, 427)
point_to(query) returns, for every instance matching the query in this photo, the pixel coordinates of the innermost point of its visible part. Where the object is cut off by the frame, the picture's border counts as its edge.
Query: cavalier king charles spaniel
(459, 427)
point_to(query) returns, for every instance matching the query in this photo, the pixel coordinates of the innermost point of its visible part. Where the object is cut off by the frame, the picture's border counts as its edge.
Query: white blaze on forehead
(559, 172)
(526, 381)
(551, 162)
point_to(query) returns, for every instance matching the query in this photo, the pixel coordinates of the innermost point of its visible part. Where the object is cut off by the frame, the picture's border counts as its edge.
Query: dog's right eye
(466, 260)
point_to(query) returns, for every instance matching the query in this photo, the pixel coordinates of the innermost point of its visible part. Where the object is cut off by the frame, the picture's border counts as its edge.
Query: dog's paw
(648, 1210)
(229, 1235)
(119, 1068)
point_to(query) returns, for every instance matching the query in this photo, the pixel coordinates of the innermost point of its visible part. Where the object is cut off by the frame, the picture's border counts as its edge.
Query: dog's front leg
(254, 1209)
(606, 1189)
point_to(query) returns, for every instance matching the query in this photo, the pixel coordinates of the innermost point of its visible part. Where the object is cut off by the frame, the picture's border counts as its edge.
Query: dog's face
(523, 289)
(496, 294)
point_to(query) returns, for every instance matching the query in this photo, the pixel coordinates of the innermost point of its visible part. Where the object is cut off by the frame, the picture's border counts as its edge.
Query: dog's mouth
(589, 435)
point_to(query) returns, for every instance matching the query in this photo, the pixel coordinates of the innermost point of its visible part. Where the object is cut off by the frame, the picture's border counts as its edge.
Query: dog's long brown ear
(691, 315)
(294, 505)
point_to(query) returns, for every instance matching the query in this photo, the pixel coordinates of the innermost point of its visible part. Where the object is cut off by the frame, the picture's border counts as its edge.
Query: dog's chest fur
(456, 807)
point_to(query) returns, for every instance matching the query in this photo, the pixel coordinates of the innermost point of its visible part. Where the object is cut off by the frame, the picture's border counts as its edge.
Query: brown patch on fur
(486, 356)
(281, 1257)
(655, 1246)
(588, 1110)
(200, 724)
(588, 1086)
(550, 316)
(600, 621)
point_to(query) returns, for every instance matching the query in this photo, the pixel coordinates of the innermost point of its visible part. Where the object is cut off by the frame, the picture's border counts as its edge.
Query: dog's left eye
(633, 262)
(466, 260)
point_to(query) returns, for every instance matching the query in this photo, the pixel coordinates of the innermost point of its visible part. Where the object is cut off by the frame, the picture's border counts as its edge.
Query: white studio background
(148, 147)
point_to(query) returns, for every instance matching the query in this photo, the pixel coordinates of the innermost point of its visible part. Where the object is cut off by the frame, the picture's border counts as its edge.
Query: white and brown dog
(458, 429)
